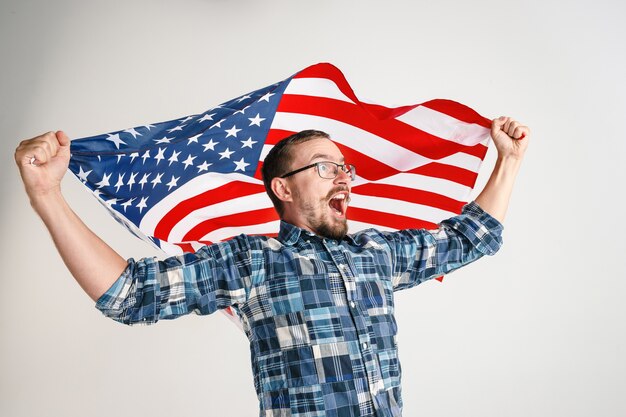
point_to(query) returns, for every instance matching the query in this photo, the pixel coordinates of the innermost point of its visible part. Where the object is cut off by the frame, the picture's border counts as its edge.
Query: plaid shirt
(319, 313)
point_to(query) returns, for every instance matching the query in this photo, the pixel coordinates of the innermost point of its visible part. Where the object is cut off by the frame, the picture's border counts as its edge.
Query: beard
(331, 228)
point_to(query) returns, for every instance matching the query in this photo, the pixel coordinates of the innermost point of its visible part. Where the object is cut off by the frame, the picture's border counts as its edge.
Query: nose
(343, 177)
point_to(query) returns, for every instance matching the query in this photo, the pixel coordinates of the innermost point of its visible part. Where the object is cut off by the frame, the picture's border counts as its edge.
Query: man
(316, 304)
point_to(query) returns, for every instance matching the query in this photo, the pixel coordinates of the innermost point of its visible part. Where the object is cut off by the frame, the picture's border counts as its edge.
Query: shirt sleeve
(215, 277)
(419, 255)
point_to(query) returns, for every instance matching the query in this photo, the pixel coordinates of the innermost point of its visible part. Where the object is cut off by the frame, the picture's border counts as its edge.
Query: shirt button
(364, 345)
(352, 304)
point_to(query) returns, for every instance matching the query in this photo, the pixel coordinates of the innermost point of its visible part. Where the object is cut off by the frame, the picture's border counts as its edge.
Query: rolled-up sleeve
(216, 276)
(419, 255)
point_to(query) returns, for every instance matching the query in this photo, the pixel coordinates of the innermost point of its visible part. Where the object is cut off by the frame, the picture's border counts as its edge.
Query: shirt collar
(289, 234)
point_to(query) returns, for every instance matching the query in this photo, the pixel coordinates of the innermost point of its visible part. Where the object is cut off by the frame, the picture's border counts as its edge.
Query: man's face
(318, 204)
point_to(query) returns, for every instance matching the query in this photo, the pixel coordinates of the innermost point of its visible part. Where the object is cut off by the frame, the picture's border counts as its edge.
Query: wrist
(42, 201)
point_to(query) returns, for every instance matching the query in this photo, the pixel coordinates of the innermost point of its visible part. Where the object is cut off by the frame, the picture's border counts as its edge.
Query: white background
(537, 330)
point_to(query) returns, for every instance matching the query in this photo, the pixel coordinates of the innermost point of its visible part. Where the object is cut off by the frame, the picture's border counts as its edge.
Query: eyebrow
(325, 157)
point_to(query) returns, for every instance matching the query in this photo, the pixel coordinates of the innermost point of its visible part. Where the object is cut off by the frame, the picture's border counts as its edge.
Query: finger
(511, 128)
(496, 124)
(62, 138)
(520, 132)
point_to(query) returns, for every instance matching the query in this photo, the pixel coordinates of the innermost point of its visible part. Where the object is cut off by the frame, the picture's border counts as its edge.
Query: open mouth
(339, 204)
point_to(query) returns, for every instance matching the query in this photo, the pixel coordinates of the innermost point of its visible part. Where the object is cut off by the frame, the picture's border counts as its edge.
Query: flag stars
(218, 124)
(142, 204)
(174, 157)
(160, 156)
(210, 145)
(232, 131)
(226, 154)
(203, 167)
(145, 156)
(240, 99)
(256, 120)
(156, 180)
(206, 117)
(248, 143)
(82, 174)
(126, 204)
(241, 165)
(144, 180)
(116, 140)
(105, 181)
(131, 180)
(173, 183)
(133, 156)
(164, 140)
(133, 132)
(242, 111)
(188, 161)
(266, 97)
(120, 182)
(193, 139)
(174, 129)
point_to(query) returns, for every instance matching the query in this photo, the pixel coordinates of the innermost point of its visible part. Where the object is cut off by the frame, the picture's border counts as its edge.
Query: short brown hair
(279, 158)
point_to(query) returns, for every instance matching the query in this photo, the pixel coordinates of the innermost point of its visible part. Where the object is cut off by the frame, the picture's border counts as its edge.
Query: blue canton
(319, 313)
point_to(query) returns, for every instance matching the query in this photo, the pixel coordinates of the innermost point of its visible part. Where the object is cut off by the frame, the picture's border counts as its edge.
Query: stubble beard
(321, 225)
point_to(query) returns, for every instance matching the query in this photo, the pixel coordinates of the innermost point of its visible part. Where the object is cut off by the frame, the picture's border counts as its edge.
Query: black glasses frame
(347, 168)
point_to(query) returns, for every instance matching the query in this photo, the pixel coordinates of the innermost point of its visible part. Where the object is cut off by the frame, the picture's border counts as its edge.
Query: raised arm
(43, 161)
(511, 140)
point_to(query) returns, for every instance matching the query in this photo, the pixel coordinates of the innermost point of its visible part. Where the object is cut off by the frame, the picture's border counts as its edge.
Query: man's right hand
(43, 161)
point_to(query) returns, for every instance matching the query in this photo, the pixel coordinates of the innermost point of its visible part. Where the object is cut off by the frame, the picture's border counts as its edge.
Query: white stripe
(224, 208)
(421, 182)
(402, 208)
(365, 142)
(226, 232)
(322, 87)
(196, 186)
(445, 126)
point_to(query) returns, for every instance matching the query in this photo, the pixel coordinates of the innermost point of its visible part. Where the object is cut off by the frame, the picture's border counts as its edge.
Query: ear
(281, 189)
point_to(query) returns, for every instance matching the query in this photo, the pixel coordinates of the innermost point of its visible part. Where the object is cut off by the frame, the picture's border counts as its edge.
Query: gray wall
(537, 330)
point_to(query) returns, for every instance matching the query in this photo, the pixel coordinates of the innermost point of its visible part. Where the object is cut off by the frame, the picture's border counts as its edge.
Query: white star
(210, 145)
(193, 139)
(174, 157)
(256, 120)
(131, 180)
(133, 132)
(128, 203)
(242, 111)
(133, 156)
(232, 131)
(241, 165)
(120, 182)
(186, 119)
(248, 143)
(83, 175)
(149, 127)
(243, 98)
(203, 167)
(116, 140)
(111, 202)
(157, 180)
(145, 156)
(142, 204)
(226, 154)
(105, 181)
(164, 140)
(188, 161)
(173, 183)
(179, 127)
(119, 157)
(206, 117)
(143, 180)
(160, 155)
(266, 97)
(218, 124)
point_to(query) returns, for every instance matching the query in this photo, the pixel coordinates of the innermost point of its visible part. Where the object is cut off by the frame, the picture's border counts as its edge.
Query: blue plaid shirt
(319, 313)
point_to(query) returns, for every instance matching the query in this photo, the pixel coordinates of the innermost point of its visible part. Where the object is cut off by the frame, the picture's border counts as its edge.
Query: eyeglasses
(326, 169)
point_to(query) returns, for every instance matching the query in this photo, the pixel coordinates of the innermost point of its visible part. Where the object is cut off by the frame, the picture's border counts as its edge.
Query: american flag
(187, 182)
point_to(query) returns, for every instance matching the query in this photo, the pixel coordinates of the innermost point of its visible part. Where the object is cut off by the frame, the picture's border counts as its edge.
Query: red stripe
(447, 172)
(247, 218)
(228, 191)
(389, 220)
(410, 195)
(393, 130)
